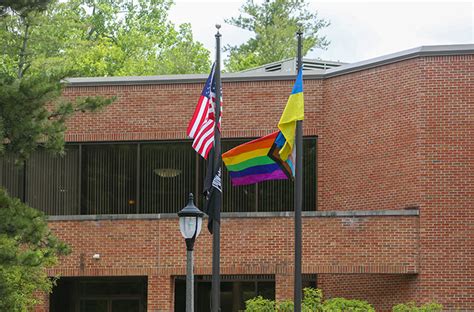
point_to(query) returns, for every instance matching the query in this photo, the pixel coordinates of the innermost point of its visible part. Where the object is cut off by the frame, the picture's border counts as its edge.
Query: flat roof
(435, 50)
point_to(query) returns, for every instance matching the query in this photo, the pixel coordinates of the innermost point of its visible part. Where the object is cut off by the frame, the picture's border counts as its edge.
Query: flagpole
(298, 196)
(216, 230)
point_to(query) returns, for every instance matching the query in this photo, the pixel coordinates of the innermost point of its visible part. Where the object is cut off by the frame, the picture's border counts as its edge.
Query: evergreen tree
(26, 248)
(32, 114)
(274, 23)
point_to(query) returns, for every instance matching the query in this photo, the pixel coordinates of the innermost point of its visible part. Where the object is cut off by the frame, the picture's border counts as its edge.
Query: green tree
(103, 38)
(32, 111)
(26, 248)
(32, 114)
(274, 23)
(118, 38)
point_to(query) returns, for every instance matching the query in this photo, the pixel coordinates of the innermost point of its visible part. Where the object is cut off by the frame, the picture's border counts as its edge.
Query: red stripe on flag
(204, 138)
(200, 115)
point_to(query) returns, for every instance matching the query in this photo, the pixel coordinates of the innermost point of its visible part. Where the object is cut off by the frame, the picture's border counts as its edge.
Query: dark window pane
(248, 291)
(310, 174)
(109, 175)
(236, 198)
(167, 176)
(11, 176)
(266, 290)
(52, 182)
(117, 286)
(94, 306)
(126, 305)
(96, 293)
(235, 290)
(275, 195)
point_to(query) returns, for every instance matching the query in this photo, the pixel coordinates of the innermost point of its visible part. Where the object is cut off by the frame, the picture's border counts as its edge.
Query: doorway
(99, 294)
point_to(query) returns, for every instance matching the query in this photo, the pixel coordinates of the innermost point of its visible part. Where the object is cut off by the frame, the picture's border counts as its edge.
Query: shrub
(411, 307)
(312, 302)
(285, 306)
(346, 305)
(259, 304)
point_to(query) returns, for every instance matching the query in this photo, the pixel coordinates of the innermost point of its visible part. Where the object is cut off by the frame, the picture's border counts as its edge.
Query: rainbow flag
(250, 162)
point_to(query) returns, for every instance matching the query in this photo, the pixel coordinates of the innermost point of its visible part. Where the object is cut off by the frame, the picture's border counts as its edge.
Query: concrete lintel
(285, 214)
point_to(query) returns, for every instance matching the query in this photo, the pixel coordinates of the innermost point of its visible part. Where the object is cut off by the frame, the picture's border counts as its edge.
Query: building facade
(389, 188)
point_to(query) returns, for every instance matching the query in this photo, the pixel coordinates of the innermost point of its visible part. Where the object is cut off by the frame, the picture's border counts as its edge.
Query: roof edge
(422, 51)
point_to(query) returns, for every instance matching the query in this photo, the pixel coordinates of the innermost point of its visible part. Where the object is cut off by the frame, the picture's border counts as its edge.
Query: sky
(359, 30)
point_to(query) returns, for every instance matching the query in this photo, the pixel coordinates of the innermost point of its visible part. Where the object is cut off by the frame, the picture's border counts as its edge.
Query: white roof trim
(438, 50)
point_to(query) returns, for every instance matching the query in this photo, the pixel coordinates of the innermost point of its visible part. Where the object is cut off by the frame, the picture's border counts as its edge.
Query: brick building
(389, 188)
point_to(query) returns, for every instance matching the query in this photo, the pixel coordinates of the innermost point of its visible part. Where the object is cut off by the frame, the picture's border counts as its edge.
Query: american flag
(201, 126)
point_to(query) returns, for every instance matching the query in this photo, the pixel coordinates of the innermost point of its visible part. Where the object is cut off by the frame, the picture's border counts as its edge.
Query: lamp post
(190, 223)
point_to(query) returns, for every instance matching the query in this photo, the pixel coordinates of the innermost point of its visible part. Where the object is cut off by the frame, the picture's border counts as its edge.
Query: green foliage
(412, 307)
(285, 306)
(26, 248)
(274, 23)
(259, 304)
(101, 38)
(22, 7)
(312, 299)
(312, 302)
(346, 305)
(32, 112)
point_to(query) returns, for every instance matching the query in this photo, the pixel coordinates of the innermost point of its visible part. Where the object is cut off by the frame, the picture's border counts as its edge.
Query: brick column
(284, 286)
(43, 306)
(160, 293)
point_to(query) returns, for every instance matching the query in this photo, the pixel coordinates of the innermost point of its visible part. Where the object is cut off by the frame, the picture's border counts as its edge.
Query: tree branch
(22, 66)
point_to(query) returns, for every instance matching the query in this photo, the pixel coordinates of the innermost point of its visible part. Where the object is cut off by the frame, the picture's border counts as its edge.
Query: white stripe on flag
(204, 127)
(207, 130)
(202, 114)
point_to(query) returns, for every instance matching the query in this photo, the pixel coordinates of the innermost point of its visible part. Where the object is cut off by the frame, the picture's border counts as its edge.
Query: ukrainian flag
(294, 111)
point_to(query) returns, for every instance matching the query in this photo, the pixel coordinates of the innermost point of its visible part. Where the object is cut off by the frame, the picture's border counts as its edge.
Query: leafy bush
(346, 305)
(285, 306)
(259, 304)
(411, 307)
(312, 302)
(27, 247)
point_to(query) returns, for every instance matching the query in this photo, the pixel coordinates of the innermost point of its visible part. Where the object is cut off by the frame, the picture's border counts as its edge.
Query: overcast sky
(359, 30)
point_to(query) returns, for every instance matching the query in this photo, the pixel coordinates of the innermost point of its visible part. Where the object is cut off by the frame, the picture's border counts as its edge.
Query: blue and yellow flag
(294, 111)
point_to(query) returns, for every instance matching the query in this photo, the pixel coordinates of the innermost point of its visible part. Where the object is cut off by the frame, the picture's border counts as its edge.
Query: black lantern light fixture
(190, 224)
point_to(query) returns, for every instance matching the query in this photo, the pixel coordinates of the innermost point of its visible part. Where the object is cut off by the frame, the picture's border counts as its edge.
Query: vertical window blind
(52, 182)
(145, 177)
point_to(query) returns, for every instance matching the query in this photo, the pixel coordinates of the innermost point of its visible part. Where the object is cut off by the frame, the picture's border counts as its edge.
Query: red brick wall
(368, 152)
(447, 176)
(390, 137)
(248, 246)
(150, 112)
(382, 291)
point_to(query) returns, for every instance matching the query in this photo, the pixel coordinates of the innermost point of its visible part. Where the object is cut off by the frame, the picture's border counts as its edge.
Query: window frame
(199, 173)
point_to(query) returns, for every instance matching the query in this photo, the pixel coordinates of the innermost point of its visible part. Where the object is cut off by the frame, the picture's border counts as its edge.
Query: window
(145, 177)
(109, 179)
(277, 195)
(12, 176)
(52, 182)
(167, 175)
(86, 294)
(235, 290)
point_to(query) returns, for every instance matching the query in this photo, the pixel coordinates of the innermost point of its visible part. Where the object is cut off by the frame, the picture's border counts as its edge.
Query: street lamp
(190, 223)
